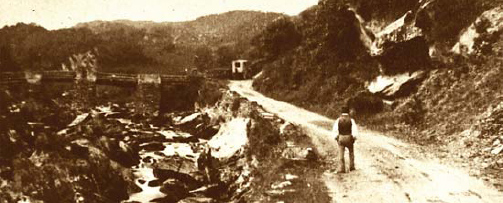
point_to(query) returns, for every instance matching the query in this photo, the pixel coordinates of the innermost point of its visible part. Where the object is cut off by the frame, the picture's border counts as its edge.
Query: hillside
(215, 30)
(429, 71)
(135, 46)
(316, 59)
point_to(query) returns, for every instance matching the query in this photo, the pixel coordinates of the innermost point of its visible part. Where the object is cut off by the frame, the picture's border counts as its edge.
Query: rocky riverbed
(228, 151)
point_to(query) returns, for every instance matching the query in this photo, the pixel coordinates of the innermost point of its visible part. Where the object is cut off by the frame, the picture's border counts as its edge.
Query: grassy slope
(321, 73)
(456, 96)
(445, 104)
(270, 149)
(450, 100)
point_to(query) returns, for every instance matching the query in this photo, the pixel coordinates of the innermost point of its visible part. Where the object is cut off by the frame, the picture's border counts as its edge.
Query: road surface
(387, 170)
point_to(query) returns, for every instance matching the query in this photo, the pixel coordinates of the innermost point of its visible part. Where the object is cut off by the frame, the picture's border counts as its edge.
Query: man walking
(345, 131)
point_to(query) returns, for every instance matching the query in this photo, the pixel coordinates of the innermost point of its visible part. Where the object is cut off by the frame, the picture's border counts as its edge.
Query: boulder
(207, 132)
(479, 36)
(291, 177)
(80, 147)
(152, 146)
(401, 46)
(497, 149)
(391, 87)
(154, 183)
(178, 136)
(165, 174)
(182, 150)
(287, 128)
(294, 153)
(174, 190)
(79, 119)
(190, 120)
(119, 151)
(152, 137)
(281, 185)
(230, 139)
(177, 164)
(197, 200)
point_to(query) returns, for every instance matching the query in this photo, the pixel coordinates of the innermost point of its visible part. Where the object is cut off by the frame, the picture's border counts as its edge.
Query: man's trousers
(346, 141)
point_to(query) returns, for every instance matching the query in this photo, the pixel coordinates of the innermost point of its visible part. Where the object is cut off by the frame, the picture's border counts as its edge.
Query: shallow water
(144, 172)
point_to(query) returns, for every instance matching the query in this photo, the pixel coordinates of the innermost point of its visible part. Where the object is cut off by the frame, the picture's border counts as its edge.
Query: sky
(56, 14)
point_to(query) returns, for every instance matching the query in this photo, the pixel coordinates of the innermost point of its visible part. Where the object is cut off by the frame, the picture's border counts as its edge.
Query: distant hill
(213, 30)
(136, 46)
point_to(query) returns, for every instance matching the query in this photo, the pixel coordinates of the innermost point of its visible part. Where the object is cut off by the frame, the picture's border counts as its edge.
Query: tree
(279, 37)
(7, 63)
(342, 38)
(120, 47)
(225, 55)
(203, 59)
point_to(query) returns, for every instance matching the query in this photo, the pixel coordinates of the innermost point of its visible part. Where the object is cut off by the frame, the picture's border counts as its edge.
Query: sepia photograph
(250, 101)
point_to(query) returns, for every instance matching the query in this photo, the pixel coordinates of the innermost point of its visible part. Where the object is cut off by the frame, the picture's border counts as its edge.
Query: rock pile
(48, 156)
(110, 153)
(491, 131)
(211, 164)
(482, 145)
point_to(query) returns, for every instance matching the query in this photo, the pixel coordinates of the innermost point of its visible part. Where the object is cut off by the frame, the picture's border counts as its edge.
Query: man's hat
(345, 109)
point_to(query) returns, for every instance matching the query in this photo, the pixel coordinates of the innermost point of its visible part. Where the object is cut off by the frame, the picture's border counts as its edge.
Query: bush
(279, 37)
(365, 103)
(411, 111)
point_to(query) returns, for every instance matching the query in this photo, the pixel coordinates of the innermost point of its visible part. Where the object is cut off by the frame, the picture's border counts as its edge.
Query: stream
(144, 172)
(162, 150)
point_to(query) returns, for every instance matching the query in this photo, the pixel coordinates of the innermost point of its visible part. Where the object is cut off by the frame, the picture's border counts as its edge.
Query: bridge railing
(101, 77)
(58, 75)
(12, 77)
(116, 78)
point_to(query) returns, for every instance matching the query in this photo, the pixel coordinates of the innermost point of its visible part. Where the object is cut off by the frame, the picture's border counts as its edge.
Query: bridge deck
(119, 79)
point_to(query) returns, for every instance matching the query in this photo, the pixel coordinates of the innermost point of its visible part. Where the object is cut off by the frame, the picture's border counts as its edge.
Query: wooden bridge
(151, 91)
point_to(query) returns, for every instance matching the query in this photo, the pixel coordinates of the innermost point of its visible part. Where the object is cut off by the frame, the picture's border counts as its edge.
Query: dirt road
(388, 170)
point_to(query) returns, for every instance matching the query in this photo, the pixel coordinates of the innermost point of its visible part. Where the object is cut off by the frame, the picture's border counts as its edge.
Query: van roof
(240, 60)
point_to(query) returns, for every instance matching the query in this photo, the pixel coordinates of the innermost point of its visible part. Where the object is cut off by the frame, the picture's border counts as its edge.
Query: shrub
(365, 103)
(279, 37)
(411, 111)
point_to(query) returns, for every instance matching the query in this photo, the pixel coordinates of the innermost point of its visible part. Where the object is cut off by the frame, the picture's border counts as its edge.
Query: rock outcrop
(232, 137)
(401, 47)
(392, 87)
(479, 37)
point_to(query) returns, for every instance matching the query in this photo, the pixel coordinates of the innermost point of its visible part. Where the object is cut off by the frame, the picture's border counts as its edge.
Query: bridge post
(34, 87)
(85, 66)
(8, 91)
(84, 91)
(34, 81)
(179, 96)
(147, 95)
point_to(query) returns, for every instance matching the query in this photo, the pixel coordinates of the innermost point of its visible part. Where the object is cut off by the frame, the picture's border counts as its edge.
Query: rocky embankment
(231, 151)
(221, 153)
(483, 144)
(53, 153)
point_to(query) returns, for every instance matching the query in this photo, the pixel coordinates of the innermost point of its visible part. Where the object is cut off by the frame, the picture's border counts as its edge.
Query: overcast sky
(55, 14)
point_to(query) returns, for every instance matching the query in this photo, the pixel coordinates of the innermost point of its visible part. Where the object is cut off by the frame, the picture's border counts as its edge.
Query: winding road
(388, 170)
